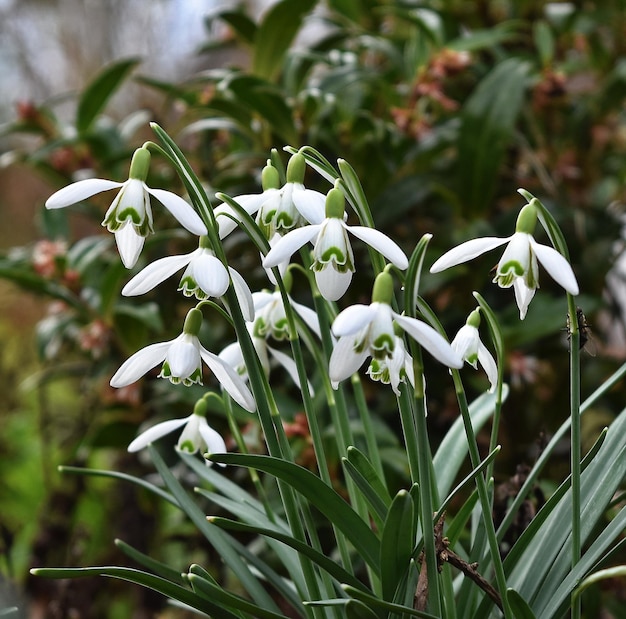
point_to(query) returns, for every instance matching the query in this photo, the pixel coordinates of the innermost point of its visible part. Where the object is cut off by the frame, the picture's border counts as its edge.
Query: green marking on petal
(383, 345)
(187, 446)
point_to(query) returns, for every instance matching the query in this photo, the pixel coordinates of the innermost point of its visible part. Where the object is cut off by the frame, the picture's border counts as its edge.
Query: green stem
(483, 493)
(574, 347)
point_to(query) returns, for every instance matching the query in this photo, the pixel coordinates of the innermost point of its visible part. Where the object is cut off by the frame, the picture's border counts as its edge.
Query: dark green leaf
(100, 90)
(276, 33)
(487, 124)
(397, 543)
(325, 499)
(518, 605)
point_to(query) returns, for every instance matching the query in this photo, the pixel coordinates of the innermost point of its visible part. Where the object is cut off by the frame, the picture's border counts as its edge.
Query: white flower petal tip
(81, 190)
(466, 251)
(557, 266)
(181, 210)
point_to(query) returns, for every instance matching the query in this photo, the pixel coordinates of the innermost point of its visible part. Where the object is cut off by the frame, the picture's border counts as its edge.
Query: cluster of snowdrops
(286, 218)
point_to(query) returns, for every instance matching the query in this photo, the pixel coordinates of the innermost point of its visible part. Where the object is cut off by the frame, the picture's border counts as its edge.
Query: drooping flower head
(333, 259)
(518, 265)
(182, 362)
(369, 331)
(279, 209)
(130, 215)
(197, 434)
(270, 323)
(204, 276)
(468, 345)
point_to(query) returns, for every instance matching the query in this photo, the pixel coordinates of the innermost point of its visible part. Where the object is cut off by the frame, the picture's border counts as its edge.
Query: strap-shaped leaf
(276, 33)
(519, 606)
(330, 566)
(209, 591)
(325, 499)
(150, 581)
(366, 478)
(453, 449)
(100, 90)
(397, 543)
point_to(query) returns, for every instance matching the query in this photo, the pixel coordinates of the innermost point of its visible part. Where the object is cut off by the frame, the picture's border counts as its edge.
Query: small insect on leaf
(587, 343)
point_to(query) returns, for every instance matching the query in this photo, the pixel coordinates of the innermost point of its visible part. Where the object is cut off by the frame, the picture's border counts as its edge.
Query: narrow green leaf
(214, 535)
(377, 603)
(544, 41)
(487, 125)
(358, 610)
(519, 606)
(122, 476)
(373, 489)
(413, 275)
(100, 90)
(158, 568)
(325, 499)
(397, 543)
(276, 33)
(240, 23)
(330, 566)
(209, 591)
(156, 583)
(453, 448)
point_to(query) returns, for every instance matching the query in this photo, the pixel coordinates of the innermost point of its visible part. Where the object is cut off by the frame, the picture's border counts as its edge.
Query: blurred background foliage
(444, 108)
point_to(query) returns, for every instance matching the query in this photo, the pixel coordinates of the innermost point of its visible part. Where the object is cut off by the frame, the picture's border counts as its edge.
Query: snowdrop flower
(518, 265)
(468, 345)
(197, 434)
(204, 276)
(278, 208)
(270, 318)
(368, 330)
(130, 215)
(394, 369)
(182, 362)
(270, 322)
(333, 260)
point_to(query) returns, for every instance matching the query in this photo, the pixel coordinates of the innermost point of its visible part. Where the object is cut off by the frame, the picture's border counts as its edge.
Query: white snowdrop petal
(182, 210)
(431, 340)
(213, 440)
(353, 319)
(210, 274)
(288, 245)
(557, 266)
(309, 317)
(230, 380)
(155, 273)
(155, 433)
(244, 296)
(467, 251)
(523, 296)
(76, 192)
(344, 361)
(486, 359)
(129, 244)
(311, 204)
(382, 244)
(138, 364)
(183, 355)
(224, 212)
(331, 283)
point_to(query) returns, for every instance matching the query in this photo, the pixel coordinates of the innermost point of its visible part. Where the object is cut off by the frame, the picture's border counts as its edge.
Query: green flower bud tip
(296, 168)
(473, 320)
(269, 177)
(193, 322)
(140, 164)
(335, 203)
(201, 408)
(527, 218)
(383, 288)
